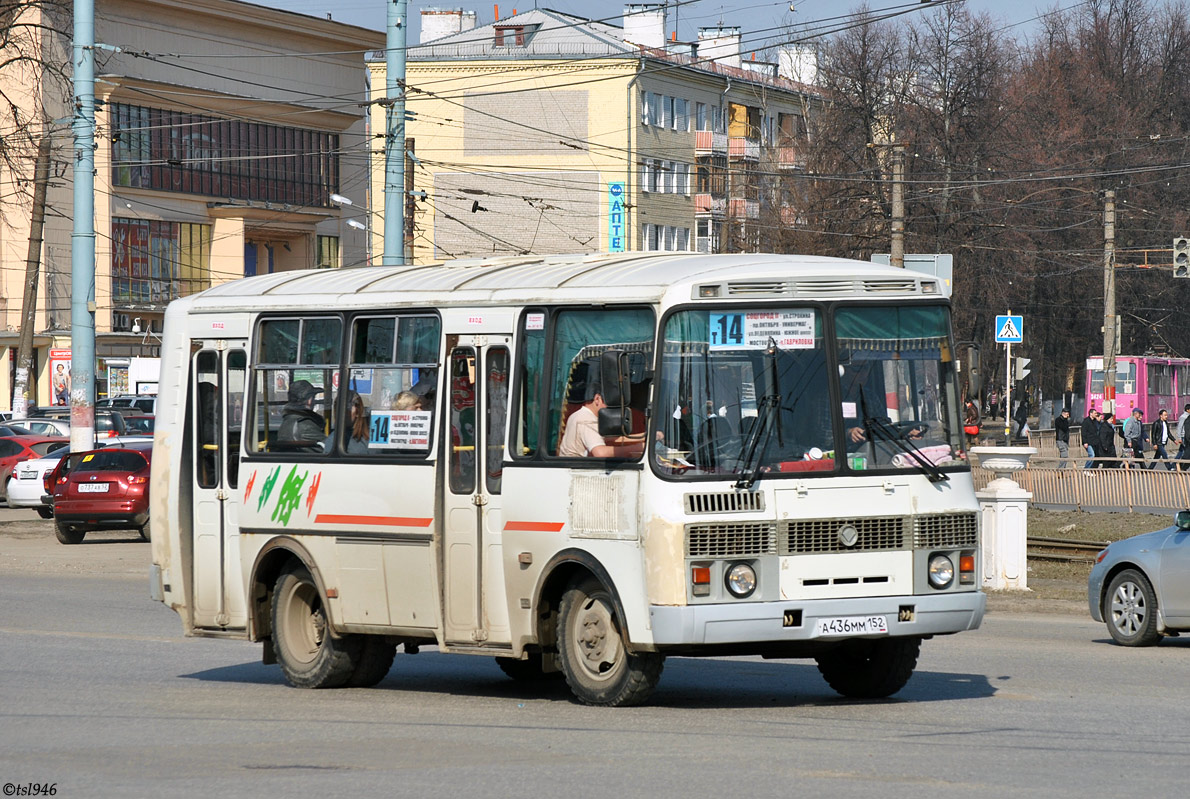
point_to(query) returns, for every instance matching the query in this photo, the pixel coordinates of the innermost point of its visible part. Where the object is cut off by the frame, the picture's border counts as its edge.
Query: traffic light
(1022, 368)
(1181, 257)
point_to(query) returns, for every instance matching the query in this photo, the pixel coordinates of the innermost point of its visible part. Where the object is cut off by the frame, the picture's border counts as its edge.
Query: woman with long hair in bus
(357, 441)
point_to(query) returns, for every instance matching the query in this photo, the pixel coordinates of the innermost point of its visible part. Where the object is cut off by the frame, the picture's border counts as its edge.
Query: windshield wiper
(756, 444)
(883, 425)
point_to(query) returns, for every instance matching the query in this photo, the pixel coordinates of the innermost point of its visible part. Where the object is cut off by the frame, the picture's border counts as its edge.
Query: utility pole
(1109, 301)
(41, 176)
(897, 250)
(82, 238)
(394, 138)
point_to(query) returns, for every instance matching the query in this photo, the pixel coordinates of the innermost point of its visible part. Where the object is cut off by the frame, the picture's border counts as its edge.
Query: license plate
(851, 625)
(93, 488)
(27, 474)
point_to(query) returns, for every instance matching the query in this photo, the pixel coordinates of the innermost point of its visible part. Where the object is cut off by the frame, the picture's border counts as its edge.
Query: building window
(655, 177)
(681, 115)
(328, 252)
(645, 179)
(667, 110)
(654, 109)
(509, 36)
(154, 262)
(165, 150)
(701, 118)
(644, 108)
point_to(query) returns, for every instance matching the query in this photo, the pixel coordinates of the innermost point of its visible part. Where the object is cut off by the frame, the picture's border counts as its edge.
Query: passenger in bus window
(357, 439)
(407, 401)
(301, 427)
(581, 438)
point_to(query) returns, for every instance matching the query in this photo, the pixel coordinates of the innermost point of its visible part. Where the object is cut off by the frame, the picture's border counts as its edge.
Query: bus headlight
(740, 580)
(941, 571)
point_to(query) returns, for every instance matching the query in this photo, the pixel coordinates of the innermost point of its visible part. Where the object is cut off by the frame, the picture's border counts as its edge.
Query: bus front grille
(946, 531)
(726, 539)
(807, 536)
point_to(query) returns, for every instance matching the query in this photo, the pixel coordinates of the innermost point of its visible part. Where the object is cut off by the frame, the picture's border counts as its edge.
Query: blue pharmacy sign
(617, 234)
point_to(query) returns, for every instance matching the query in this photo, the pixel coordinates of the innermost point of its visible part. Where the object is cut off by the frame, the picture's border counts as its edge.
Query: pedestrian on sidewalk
(1106, 448)
(1134, 435)
(1090, 431)
(1161, 437)
(1062, 437)
(1180, 433)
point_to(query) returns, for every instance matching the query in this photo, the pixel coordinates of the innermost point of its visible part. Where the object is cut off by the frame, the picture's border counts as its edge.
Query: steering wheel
(709, 453)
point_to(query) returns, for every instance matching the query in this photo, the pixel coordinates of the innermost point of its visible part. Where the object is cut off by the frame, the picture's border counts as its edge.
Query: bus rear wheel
(870, 668)
(592, 645)
(310, 655)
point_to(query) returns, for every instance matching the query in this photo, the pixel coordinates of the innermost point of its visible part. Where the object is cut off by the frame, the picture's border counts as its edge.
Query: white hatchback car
(26, 489)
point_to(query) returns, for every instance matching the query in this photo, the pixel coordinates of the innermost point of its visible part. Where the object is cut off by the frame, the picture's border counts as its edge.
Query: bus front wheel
(870, 668)
(309, 654)
(592, 644)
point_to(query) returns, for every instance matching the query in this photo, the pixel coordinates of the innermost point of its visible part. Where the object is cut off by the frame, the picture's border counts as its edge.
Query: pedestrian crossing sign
(1009, 329)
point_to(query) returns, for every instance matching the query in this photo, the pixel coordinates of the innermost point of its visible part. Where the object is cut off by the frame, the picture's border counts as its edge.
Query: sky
(750, 15)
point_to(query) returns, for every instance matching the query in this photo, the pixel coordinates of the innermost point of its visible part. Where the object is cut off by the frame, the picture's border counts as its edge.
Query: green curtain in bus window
(321, 341)
(580, 337)
(890, 332)
(532, 367)
(278, 341)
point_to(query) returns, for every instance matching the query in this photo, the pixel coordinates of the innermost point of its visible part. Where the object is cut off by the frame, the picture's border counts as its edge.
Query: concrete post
(1004, 522)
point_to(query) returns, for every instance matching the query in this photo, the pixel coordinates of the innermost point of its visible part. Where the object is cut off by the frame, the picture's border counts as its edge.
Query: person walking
(1021, 417)
(1090, 435)
(1134, 436)
(1106, 441)
(1062, 437)
(1180, 433)
(993, 402)
(1161, 437)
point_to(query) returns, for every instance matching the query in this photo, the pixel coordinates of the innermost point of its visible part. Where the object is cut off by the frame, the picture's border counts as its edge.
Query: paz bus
(789, 476)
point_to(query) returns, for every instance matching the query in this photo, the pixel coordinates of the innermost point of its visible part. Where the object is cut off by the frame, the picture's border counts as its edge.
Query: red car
(104, 489)
(16, 449)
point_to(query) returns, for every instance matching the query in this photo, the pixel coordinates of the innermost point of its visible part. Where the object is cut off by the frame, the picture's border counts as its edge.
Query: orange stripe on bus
(393, 521)
(534, 527)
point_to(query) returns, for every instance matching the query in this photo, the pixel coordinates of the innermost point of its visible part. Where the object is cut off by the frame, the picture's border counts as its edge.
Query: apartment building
(223, 131)
(544, 132)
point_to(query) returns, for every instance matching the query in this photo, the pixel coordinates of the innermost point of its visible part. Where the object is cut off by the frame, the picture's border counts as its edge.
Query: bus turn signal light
(700, 578)
(966, 570)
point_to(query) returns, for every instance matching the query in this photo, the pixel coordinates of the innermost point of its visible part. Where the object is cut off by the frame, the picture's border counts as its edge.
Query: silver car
(1141, 586)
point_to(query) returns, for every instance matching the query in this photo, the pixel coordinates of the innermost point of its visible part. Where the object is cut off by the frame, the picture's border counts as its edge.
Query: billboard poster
(60, 377)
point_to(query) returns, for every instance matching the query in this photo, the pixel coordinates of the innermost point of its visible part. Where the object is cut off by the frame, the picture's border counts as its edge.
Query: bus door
(477, 409)
(218, 373)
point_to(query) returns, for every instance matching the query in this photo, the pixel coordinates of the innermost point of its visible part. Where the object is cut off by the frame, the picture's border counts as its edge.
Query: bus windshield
(747, 392)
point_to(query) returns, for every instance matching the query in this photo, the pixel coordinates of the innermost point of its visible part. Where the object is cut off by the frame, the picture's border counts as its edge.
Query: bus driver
(582, 440)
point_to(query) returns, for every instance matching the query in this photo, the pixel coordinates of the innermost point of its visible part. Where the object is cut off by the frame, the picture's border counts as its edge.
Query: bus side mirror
(615, 422)
(613, 378)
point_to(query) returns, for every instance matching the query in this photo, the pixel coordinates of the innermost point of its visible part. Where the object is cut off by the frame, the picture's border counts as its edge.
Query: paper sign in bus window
(752, 330)
(400, 430)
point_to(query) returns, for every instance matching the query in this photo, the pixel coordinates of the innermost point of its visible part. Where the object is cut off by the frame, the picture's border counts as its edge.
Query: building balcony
(790, 157)
(709, 204)
(739, 208)
(706, 142)
(742, 147)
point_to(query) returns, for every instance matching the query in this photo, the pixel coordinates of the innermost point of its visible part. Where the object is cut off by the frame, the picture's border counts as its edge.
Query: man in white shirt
(581, 438)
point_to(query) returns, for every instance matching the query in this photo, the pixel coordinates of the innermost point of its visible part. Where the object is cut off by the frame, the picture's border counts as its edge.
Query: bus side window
(526, 418)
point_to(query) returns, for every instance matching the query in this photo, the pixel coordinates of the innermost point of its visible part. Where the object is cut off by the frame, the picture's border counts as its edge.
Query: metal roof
(620, 276)
(548, 34)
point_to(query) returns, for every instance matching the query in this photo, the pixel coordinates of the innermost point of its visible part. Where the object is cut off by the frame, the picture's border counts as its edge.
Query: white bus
(574, 464)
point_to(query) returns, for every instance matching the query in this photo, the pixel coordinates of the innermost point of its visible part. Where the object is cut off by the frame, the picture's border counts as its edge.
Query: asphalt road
(101, 696)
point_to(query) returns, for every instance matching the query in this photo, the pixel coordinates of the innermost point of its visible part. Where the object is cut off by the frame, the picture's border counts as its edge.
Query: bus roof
(639, 276)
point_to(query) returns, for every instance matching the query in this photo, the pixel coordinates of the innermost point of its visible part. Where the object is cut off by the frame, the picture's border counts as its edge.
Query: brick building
(528, 132)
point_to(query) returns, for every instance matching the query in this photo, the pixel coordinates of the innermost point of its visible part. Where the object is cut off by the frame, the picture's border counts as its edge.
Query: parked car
(105, 489)
(1140, 587)
(130, 404)
(17, 449)
(14, 429)
(139, 425)
(45, 427)
(108, 423)
(27, 487)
